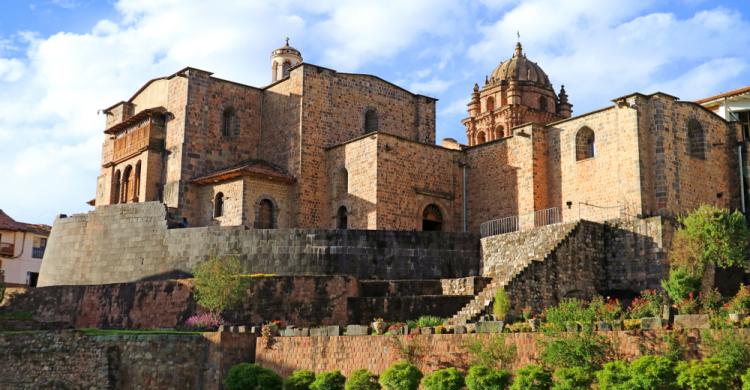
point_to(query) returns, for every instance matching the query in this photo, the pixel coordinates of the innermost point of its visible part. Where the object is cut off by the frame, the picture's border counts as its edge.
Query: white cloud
(432, 86)
(11, 69)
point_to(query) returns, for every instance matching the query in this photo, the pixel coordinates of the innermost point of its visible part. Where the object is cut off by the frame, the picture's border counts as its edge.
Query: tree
(218, 285)
(710, 235)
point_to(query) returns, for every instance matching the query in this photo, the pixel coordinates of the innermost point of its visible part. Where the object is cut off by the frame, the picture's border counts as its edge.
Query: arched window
(285, 69)
(696, 139)
(341, 218)
(342, 182)
(265, 217)
(584, 144)
(115, 196)
(489, 104)
(275, 71)
(219, 205)
(542, 103)
(481, 138)
(500, 131)
(229, 126)
(371, 120)
(137, 181)
(432, 218)
(126, 187)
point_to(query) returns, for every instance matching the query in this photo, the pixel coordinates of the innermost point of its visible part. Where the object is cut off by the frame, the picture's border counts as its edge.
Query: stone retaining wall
(376, 353)
(131, 242)
(69, 359)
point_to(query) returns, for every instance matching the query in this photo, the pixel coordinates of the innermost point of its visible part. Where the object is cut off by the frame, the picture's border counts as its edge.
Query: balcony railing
(7, 249)
(37, 253)
(135, 140)
(526, 221)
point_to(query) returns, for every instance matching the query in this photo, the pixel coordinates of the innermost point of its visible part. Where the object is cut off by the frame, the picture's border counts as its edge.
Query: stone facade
(354, 151)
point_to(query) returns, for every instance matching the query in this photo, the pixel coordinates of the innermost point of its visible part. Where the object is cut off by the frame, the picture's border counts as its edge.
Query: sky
(61, 61)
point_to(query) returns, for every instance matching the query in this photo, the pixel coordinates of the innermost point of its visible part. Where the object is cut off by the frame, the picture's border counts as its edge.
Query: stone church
(322, 149)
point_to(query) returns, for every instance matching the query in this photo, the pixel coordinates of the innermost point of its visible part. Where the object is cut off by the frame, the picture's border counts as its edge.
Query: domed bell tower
(283, 59)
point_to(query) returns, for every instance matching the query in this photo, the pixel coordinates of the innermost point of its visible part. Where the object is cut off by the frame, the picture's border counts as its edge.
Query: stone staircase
(506, 256)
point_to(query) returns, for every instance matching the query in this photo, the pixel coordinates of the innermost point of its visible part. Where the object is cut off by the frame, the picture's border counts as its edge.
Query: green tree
(481, 377)
(501, 305)
(711, 235)
(532, 377)
(492, 352)
(444, 379)
(331, 380)
(708, 374)
(218, 285)
(401, 376)
(362, 380)
(613, 376)
(299, 380)
(248, 376)
(651, 372)
(572, 378)
(681, 282)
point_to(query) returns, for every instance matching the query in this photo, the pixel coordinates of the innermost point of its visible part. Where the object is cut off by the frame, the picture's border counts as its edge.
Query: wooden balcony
(7, 249)
(136, 140)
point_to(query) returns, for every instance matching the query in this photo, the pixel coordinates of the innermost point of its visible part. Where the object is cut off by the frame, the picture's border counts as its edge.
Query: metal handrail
(513, 223)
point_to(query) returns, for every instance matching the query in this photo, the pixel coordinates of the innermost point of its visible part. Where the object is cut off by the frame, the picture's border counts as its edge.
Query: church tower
(282, 59)
(517, 92)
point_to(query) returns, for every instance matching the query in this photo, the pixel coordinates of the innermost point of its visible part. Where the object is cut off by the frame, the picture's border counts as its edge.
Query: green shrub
(651, 372)
(299, 380)
(492, 352)
(681, 282)
(362, 380)
(708, 374)
(445, 379)
(218, 286)
(731, 348)
(481, 377)
(401, 376)
(613, 376)
(532, 377)
(586, 349)
(331, 380)
(429, 321)
(740, 303)
(248, 376)
(570, 310)
(501, 305)
(2, 291)
(745, 380)
(573, 378)
(713, 235)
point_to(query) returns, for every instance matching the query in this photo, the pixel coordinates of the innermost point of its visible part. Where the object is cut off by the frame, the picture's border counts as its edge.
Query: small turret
(564, 109)
(283, 59)
(474, 105)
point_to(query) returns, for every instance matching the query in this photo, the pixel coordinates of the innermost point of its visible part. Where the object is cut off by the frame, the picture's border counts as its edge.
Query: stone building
(322, 149)
(22, 247)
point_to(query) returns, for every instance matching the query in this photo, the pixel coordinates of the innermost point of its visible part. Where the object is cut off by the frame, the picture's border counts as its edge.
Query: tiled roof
(258, 168)
(723, 95)
(8, 223)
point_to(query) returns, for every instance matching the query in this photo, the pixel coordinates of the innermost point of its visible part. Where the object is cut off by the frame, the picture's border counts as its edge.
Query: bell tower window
(371, 121)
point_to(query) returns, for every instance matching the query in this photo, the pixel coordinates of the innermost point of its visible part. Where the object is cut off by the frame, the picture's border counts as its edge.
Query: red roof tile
(8, 223)
(258, 168)
(723, 95)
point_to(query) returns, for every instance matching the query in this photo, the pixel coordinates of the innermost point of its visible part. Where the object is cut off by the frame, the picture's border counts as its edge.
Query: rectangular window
(40, 244)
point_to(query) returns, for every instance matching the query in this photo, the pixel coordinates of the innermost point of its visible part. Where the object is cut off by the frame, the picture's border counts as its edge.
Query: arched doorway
(265, 218)
(432, 219)
(342, 219)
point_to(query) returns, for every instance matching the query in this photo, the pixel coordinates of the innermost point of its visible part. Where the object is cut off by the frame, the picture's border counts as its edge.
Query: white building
(21, 250)
(733, 106)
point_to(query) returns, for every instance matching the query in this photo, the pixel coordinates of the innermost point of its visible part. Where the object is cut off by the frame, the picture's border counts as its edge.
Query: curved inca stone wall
(131, 242)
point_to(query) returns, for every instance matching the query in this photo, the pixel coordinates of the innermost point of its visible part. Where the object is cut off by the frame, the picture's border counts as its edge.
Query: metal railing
(37, 253)
(515, 223)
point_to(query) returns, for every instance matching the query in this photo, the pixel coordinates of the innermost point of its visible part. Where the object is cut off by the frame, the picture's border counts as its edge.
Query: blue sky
(62, 60)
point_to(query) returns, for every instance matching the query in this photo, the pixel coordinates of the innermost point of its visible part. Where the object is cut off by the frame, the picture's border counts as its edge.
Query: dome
(518, 68)
(286, 49)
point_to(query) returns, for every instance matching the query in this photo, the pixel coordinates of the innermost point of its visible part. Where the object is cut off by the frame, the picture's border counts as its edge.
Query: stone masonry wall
(126, 243)
(72, 360)
(376, 353)
(298, 300)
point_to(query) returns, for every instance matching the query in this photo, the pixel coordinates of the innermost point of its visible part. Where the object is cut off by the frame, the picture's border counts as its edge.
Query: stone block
(288, 332)
(651, 323)
(357, 330)
(459, 329)
(691, 321)
(318, 332)
(333, 330)
(426, 330)
(301, 332)
(490, 326)
(242, 329)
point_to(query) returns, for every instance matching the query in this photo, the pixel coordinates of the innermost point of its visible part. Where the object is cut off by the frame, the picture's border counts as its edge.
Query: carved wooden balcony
(7, 249)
